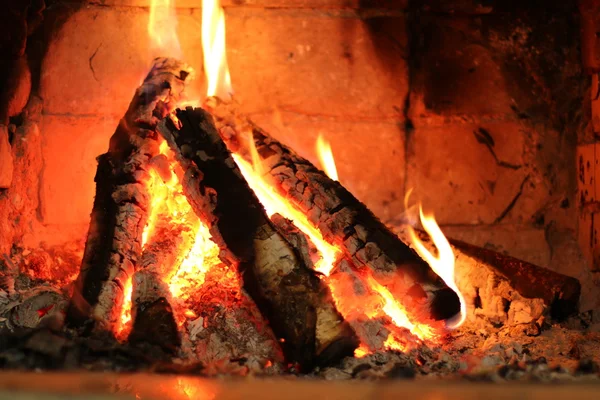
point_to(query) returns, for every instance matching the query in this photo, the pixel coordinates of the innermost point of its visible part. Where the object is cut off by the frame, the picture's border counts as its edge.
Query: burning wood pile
(211, 243)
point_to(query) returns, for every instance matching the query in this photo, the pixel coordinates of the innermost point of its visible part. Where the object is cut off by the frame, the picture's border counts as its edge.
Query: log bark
(114, 242)
(293, 299)
(341, 218)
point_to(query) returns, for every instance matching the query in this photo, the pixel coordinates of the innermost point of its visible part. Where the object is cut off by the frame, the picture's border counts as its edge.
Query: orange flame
(326, 157)
(162, 28)
(443, 264)
(124, 323)
(202, 257)
(213, 45)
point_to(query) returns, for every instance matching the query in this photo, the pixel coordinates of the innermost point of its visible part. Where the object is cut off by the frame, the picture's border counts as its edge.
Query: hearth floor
(15, 385)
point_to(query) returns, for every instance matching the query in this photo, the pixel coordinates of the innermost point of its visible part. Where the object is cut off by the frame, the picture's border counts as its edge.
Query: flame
(326, 157)
(203, 256)
(398, 313)
(124, 323)
(162, 29)
(213, 45)
(443, 264)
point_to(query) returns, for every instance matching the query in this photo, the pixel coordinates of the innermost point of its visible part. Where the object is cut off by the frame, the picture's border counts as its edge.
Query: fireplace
(334, 189)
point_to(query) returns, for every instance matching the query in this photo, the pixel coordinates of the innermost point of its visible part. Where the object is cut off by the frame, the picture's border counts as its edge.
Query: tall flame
(443, 263)
(326, 157)
(213, 45)
(162, 28)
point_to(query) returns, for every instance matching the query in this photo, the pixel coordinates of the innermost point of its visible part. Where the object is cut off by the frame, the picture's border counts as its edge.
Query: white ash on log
(229, 335)
(293, 299)
(114, 242)
(559, 292)
(505, 291)
(341, 218)
(42, 306)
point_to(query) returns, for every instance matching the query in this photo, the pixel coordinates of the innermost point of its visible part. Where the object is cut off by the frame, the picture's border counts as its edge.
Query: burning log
(114, 242)
(354, 299)
(293, 299)
(341, 218)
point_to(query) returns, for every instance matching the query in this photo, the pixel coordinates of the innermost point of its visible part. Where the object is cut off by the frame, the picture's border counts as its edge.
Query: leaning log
(358, 303)
(341, 218)
(114, 241)
(291, 297)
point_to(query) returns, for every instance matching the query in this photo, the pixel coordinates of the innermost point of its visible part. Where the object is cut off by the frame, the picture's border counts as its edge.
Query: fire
(326, 157)
(443, 264)
(162, 28)
(213, 45)
(203, 256)
(196, 253)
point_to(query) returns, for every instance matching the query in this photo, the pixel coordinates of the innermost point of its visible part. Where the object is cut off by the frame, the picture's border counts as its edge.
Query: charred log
(293, 299)
(341, 218)
(114, 242)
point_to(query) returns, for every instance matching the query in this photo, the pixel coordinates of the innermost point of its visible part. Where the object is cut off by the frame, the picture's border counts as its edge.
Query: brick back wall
(463, 105)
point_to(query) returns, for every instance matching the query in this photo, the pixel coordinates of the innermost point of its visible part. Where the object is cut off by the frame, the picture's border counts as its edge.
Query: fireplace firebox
(338, 189)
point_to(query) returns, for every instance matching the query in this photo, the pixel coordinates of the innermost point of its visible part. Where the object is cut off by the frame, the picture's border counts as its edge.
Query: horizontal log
(341, 218)
(559, 292)
(120, 210)
(504, 290)
(293, 299)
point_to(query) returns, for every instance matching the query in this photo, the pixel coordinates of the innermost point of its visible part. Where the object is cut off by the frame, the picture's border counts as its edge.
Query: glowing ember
(44, 310)
(443, 264)
(203, 256)
(162, 28)
(213, 45)
(326, 157)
